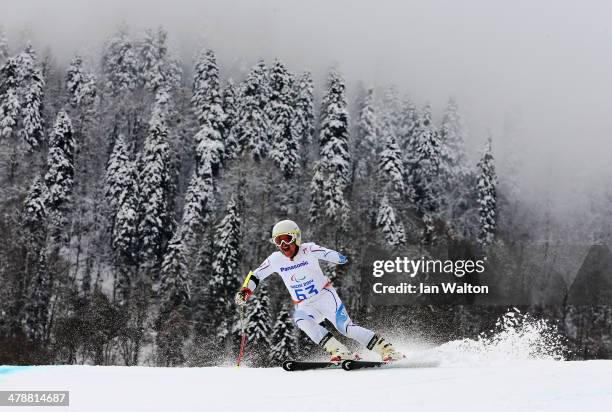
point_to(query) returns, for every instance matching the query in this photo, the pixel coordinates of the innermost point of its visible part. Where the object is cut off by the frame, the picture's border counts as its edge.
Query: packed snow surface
(523, 386)
(517, 367)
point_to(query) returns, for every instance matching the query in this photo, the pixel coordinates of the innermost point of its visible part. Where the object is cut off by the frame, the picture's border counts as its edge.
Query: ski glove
(242, 296)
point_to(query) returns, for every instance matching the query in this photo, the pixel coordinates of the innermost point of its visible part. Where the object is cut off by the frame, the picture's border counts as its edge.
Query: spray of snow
(516, 337)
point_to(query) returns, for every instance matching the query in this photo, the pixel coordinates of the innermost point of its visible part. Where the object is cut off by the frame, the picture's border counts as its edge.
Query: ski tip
(288, 366)
(346, 364)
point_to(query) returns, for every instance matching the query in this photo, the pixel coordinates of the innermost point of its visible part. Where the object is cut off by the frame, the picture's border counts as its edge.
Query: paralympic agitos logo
(295, 278)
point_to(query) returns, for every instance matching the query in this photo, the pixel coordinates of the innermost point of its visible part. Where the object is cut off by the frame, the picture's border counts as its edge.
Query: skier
(314, 297)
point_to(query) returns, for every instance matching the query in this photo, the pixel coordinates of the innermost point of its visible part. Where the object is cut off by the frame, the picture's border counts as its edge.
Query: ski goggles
(286, 238)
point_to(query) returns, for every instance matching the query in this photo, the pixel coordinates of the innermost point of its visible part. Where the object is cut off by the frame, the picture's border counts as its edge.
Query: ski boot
(386, 351)
(337, 350)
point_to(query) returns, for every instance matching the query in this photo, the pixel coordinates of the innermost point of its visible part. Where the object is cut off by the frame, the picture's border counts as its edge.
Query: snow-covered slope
(523, 386)
(516, 367)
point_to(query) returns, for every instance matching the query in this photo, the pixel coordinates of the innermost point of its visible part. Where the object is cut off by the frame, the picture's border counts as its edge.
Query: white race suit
(314, 297)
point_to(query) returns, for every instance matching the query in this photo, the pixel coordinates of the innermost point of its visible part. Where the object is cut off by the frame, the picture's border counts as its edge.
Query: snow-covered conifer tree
(230, 109)
(149, 64)
(206, 99)
(156, 185)
(21, 98)
(390, 225)
(124, 234)
(174, 281)
(199, 203)
(258, 322)
(316, 192)
(81, 85)
(120, 65)
(367, 124)
(60, 162)
(117, 173)
(207, 104)
(10, 104)
(224, 279)
(487, 197)
(209, 148)
(170, 69)
(121, 191)
(334, 131)
(333, 172)
(34, 208)
(424, 172)
(304, 108)
(390, 162)
(452, 142)
(282, 134)
(283, 340)
(408, 124)
(32, 85)
(157, 69)
(196, 212)
(251, 128)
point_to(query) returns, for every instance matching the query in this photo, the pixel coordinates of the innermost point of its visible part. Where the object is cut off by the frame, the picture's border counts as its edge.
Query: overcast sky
(547, 65)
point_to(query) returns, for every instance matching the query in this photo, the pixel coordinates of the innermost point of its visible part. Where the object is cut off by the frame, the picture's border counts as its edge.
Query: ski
(351, 365)
(292, 366)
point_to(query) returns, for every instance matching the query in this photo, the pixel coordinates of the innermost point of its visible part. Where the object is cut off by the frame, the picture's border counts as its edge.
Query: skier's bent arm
(328, 255)
(262, 272)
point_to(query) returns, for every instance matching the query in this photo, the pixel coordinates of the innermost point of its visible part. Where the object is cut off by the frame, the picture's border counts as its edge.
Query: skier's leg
(334, 310)
(336, 313)
(306, 320)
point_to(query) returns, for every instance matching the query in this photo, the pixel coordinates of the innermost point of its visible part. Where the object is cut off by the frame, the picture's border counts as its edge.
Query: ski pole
(242, 328)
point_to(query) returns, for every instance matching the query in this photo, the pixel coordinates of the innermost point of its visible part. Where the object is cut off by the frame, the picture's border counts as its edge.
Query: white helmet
(287, 227)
